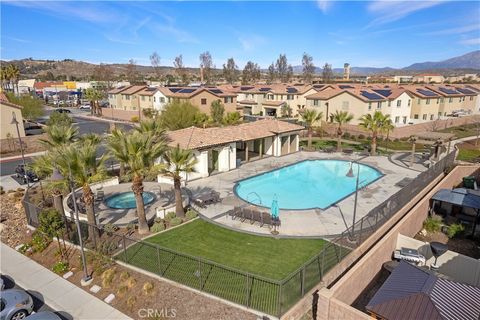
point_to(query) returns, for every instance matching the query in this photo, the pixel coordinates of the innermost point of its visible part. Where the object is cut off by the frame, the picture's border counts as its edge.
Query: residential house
(428, 78)
(427, 104)
(7, 110)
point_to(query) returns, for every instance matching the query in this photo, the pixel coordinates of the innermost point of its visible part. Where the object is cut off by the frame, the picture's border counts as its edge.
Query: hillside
(470, 60)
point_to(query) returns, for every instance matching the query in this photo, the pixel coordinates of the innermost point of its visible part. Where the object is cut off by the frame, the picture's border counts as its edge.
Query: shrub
(107, 277)
(148, 288)
(110, 228)
(190, 215)
(124, 276)
(122, 290)
(18, 194)
(134, 119)
(130, 227)
(100, 263)
(433, 224)
(20, 189)
(24, 248)
(107, 248)
(157, 227)
(60, 267)
(131, 302)
(175, 222)
(170, 215)
(1, 190)
(39, 241)
(158, 220)
(346, 135)
(361, 136)
(454, 230)
(131, 282)
(10, 191)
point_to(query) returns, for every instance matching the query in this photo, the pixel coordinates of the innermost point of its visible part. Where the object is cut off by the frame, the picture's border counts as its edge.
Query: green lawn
(172, 255)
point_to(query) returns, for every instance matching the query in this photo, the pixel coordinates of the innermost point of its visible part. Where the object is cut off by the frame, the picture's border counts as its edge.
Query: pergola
(435, 139)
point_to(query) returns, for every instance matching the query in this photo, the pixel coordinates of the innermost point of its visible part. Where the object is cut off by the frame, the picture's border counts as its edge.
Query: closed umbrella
(274, 211)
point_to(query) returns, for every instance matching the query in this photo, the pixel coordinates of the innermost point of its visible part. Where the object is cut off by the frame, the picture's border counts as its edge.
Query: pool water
(126, 200)
(305, 185)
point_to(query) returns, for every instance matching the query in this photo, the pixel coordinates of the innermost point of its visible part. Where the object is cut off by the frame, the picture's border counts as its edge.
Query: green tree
(251, 73)
(206, 64)
(59, 119)
(179, 114)
(32, 108)
(340, 118)
(230, 71)
(232, 118)
(217, 110)
(375, 124)
(52, 225)
(283, 69)
(272, 74)
(310, 117)
(178, 162)
(59, 135)
(93, 95)
(138, 152)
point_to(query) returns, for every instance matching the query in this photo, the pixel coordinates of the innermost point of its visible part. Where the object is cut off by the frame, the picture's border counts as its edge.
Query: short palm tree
(178, 161)
(93, 95)
(376, 124)
(138, 153)
(388, 127)
(152, 127)
(340, 118)
(310, 117)
(59, 136)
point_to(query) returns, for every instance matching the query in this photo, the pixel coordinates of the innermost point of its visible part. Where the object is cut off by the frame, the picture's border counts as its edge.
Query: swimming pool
(126, 200)
(305, 185)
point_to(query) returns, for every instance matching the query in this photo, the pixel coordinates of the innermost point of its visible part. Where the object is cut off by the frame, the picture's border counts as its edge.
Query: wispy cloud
(178, 34)
(457, 30)
(324, 5)
(251, 42)
(471, 42)
(17, 39)
(390, 11)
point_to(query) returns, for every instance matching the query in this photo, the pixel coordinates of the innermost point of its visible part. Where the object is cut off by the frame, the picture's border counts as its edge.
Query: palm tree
(59, 136)
(310, 117)
(340, 118)
(117, 147)
(375, 124)
(93, 95)
(388, 127)
(152, 127)
(13, 73)
(178, 161)
(138, 152)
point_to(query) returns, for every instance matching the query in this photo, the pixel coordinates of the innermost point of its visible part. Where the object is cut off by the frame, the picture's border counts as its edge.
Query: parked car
(85, 106)
(30, 175)
(44, 315)
(61, 110)
(15, 304)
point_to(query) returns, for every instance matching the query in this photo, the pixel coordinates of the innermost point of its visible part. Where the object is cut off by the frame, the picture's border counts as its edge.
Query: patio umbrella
(274, 209)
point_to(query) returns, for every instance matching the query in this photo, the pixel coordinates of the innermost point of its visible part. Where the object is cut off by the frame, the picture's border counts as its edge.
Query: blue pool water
(305, 185)
(126, 200)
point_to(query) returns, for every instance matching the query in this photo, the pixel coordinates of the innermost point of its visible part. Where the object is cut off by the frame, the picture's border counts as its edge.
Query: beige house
(8, 109)
(428, 78)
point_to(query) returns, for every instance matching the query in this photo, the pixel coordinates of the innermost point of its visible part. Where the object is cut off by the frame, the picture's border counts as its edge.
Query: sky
(368, 34)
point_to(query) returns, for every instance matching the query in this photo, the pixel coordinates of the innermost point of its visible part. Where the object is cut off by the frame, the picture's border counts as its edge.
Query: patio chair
(256, 216)
(215, 197)
(348, 151)
(266, 219)
(100, 195)
(328, 149)
(246, 214)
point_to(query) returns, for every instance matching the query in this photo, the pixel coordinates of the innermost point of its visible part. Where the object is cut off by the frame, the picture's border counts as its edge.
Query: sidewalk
(57, 292)
(18, 157)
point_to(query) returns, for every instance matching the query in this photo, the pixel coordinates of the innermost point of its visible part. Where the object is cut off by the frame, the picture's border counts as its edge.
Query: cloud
(390, 11)
(471, 42)
(17, 39)
(458, 30)
(179, 35)
(251, 42)
(324, 5)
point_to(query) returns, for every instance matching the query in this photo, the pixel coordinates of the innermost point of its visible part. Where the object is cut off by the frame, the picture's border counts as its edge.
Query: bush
(147, 288)
(170, 215)
(124, 276)
(18, 194)
(1, 190)
(433, 224)
(361, 136)
(110, 228)
(134, 119)
(346, 135)
(131, 302)
(130, 227)
(24, 248)
(122, 290)
(107, 248)
(60, 267)
(131, 282)
(158, 220)
(107, 277)
(175, 222)
(39, 241)
(157, 227)
(190, 215)
(455, 230)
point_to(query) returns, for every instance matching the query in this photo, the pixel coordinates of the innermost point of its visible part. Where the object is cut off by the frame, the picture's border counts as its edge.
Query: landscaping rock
(14, 228)
(68, 275)
(109, 298)
(95, 289)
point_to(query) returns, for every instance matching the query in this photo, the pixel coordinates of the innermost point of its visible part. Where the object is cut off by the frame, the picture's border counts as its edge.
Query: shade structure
(460, 197)
(274, 211)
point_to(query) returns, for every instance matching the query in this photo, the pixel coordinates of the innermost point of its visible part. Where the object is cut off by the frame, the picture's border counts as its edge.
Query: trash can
(469, 182)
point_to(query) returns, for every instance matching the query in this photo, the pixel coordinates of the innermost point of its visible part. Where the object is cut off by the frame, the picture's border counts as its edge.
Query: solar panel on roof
(217, 91)
(385, 93)
(150, 89)
(292, 90)
(465, 91)
(246, 88)
(186, 90)
(448, 91)
(264, 89)
(174, 89)
(318, 86)
(345, 86)
(370, 95)
(427, 93)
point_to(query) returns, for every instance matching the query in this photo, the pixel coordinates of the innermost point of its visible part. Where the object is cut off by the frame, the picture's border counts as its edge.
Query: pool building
(222, 149)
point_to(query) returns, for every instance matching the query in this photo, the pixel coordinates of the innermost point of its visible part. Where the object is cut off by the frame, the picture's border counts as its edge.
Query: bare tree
(230, 71)
(327, 73)
(272, 74)
(155, 61)
(132, 73)
(105, 74)
(283, 69)
(308, 67)
(206, 64)
(251, 73)
(180, 69)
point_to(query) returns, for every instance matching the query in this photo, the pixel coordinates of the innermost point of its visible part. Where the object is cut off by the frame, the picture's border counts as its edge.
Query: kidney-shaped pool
(304, 185)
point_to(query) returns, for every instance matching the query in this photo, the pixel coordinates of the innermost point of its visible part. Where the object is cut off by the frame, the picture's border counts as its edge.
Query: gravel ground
(13, 228)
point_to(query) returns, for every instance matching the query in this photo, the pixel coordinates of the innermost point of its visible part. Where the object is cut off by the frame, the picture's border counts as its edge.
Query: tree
(230, 71)
(217, 110)
(32, 107)
(375, 124)
(132, 73)
(59, 135)
(59, 119)
(105, 74)
(13, 74)
(272, 74)
(52, 225)
(327, 73)
(232, 118)
(286, 110)
(340, 118)
(179, 114)
(155, 61)
(178, 162)
(138, 152)
(310, 117)
(283, 69)
(251, 73)
(206, 65)
(93, 95)
(308, 67)
(180, 69)
(388, 127)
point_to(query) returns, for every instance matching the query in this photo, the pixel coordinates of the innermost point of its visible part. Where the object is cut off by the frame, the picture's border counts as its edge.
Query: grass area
(172, 255)
(468, 151)
(467, 130)
(360, 144)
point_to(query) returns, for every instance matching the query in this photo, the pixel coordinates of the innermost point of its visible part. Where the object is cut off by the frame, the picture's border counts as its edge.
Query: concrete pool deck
(301, 223)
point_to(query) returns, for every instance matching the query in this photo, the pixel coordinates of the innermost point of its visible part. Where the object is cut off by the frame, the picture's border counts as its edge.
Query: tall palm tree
(340, 118)
(310, 117)
(59, 136)
(13, 74)
(375, 124)
(138, 153)
(178, 161)
(388, 127)
(93, 95)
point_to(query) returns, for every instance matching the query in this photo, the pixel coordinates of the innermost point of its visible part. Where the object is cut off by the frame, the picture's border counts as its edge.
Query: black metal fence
(270, 296)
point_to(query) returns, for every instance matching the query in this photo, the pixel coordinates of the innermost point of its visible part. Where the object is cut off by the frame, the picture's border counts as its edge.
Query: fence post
(158, 260)
(279, 298)
(124, 249)
(303, 281)
(323, 262)
(247, 297)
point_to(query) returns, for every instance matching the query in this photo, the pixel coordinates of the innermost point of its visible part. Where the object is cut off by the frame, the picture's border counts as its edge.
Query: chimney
(346, 71)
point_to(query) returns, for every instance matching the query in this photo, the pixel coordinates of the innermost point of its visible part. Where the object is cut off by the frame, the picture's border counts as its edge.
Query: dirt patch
(10, 147)
(470, 144)
(463, 246)
(14, 229)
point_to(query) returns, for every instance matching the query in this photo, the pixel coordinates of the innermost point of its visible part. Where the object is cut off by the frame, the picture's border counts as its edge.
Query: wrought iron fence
(270, 296)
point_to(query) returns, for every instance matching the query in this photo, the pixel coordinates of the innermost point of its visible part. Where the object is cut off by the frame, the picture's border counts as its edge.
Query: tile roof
(188, 92)
(247, 102)
(414, 293)
(132, 89)
(273, 103)
(118, 90)
(149, 91)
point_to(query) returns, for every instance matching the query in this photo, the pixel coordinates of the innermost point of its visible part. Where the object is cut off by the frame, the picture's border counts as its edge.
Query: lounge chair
(256, 216)
(246, 214)
(215, 197)
(266, 218)
(100, 195)
(348, 151)
(329, 149)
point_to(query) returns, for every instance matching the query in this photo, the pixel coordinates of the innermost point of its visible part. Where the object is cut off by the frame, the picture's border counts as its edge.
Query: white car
(85, 106)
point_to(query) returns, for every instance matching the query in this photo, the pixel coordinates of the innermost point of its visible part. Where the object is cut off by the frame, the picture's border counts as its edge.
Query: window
(127, 97)
(228, 99)
(409, 102)
(431, 117)
(162, 99)
(369, 106)
(450, 100)
(270, 97)
(143, 98)
(289, 96)
(428, 101)
(419, 101)
(150, 99)
(389, 103)
(424, 117)
(415, 116)
(379, 105)
(442, 100)
(169, 99)
(345, 105)
(399, 103)
(397, 119)
(315, 102)
(404, 120)
(439, 115)
(264, 96)
(154, 99)
(471, 98)
(204, 101)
